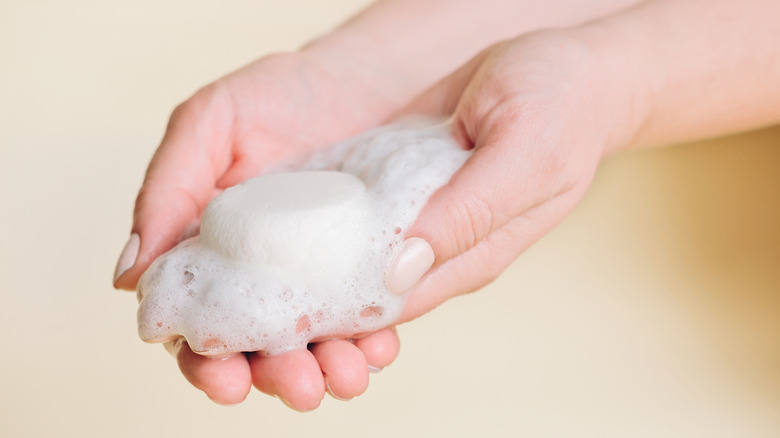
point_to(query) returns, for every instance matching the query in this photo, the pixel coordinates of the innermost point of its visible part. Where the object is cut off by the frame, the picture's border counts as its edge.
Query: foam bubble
(287, 258)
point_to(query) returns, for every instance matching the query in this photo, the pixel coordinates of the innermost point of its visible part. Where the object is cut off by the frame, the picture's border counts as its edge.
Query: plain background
(653, 310)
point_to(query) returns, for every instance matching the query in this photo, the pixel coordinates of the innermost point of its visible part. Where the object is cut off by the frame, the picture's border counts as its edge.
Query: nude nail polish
(227, 405)
(128, 256)
(327, 388)
(289, 405)
(409, 266)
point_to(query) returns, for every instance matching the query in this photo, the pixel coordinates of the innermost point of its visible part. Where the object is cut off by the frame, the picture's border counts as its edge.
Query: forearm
(409, 44)
(703, 68)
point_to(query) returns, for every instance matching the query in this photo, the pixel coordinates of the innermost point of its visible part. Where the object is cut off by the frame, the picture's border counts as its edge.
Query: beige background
(653, 310)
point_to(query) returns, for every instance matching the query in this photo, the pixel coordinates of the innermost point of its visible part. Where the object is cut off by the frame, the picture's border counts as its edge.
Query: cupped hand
(540, 112)
(265, 115)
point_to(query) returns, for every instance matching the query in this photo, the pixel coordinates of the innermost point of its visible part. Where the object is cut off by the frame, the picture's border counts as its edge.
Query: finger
(226, 381)
(295, 377)
(380, 348)
(488, 259)
(495, 184)
(180, 181)
(343, 366)
(516, 166)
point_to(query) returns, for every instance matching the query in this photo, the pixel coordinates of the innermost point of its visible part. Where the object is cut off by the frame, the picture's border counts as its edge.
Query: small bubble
(397, 230)
(188, 277)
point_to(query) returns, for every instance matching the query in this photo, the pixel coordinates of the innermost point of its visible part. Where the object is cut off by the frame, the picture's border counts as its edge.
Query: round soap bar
(296, 222)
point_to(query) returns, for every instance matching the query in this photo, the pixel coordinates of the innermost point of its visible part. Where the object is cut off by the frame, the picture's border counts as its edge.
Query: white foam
(287, 258)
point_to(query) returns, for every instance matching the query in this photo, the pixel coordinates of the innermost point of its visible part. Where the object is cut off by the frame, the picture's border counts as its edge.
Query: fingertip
(229, 397)
(380, 348)
(412, 262)
(127, 259)
(156, 230)
(344, 367)
(330, 391)
(225, 380)
(294, 377)
(136, 258)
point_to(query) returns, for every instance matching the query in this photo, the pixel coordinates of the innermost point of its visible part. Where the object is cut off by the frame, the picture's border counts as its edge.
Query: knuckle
(198, 105)
(471, 220)
(181, 114)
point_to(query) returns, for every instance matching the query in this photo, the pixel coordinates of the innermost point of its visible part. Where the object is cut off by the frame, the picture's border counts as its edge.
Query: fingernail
(289, 405)
(327, 388)
(373, 369)
(414, 260)
(128, 256)
(228, 405)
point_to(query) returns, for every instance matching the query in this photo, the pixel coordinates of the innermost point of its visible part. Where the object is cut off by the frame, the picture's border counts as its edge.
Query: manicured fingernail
(327, 388)
(373, 369)
(289, 405)
(414, 260)
(128, 256)
(221, 403)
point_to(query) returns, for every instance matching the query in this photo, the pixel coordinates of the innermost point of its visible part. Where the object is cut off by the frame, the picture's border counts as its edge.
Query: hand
(265, 115)
(543, 109)
(540, 111)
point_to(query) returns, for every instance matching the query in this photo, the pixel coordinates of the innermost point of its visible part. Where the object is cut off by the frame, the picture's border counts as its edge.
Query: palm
(277, 110)
(267, 114)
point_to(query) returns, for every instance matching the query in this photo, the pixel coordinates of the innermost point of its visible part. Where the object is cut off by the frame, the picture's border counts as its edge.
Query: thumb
(507, 176)
(416, 255)
(179, 183)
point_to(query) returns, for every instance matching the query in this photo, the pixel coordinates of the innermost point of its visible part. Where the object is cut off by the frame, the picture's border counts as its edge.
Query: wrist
(620, 76)
(358, 63)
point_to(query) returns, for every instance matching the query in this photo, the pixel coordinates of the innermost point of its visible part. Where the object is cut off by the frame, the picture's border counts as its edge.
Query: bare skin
(541, 110)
